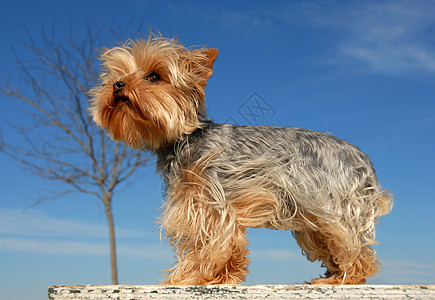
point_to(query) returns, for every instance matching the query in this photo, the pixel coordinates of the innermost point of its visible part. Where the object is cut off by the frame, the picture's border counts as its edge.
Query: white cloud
(392, 272)
(237, 21)
(35, 223)
(392, 37)
(391, 58)
(387, 37)
(35, 232)
(53, 247)
(407, 272)
(58, 247)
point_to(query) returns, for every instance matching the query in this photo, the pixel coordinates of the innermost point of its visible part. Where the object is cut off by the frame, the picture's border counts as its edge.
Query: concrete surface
(138, 292)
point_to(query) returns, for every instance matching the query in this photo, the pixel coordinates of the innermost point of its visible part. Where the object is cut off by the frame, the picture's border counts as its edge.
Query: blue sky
(361, 70)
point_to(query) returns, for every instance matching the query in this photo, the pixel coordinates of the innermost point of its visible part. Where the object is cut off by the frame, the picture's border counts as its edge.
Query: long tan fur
(222, 179)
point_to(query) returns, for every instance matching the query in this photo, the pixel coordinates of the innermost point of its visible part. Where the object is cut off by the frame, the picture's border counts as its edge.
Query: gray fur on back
(312, 173)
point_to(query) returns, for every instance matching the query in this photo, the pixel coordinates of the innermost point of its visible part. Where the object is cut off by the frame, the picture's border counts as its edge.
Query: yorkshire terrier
(221, 179)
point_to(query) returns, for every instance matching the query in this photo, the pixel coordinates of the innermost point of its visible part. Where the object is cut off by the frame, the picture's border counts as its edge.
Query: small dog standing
(221, 179)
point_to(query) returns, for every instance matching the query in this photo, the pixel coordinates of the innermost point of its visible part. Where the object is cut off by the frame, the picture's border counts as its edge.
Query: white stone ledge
(138, 292)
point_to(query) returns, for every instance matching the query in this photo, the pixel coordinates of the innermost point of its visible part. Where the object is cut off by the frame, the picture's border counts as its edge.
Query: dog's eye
(153, 77)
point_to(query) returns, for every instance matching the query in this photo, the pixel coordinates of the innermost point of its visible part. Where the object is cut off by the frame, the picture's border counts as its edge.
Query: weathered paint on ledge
(138, 292)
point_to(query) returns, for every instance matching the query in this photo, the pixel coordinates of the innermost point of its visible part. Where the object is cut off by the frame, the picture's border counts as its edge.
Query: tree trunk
(111, 225)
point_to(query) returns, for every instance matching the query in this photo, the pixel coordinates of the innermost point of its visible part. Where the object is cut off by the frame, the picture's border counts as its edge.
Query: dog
(222, 179)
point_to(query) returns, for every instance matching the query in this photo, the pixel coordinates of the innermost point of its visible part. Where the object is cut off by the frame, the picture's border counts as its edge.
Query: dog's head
(152, 91)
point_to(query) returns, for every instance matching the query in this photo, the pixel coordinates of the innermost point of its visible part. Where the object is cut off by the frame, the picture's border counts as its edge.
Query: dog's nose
(117, 86)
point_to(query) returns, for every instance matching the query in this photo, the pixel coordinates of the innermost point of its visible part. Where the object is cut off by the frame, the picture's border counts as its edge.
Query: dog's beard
(147, 119)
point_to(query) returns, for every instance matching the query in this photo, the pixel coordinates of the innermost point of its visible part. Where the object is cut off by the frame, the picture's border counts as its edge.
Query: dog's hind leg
(348, 259)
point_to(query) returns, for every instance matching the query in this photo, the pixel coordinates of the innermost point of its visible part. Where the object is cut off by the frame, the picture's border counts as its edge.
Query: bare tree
(60, 141)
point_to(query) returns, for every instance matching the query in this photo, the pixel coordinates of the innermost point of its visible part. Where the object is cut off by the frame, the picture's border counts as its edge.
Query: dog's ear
(200, 62)
(205, 57)
(211, 55)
